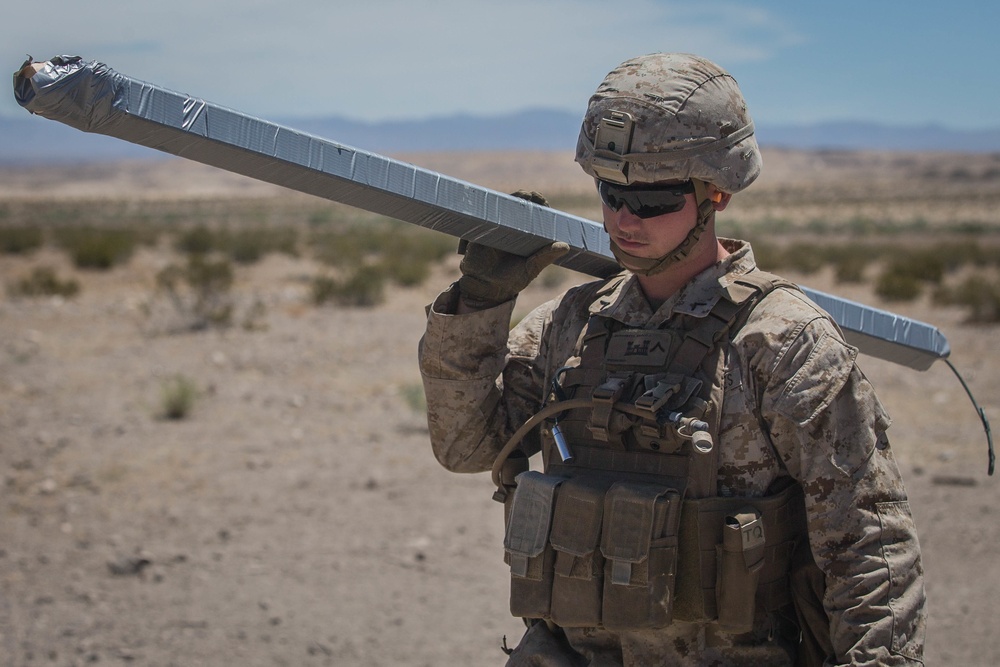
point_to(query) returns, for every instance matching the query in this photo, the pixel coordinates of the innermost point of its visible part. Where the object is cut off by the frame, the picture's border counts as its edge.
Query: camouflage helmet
(669, 116)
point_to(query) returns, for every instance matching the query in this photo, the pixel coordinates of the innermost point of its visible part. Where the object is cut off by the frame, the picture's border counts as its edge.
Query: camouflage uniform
(819, 423)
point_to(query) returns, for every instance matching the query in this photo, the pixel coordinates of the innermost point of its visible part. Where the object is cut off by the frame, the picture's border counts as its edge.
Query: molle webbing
(604, 372)
(670, 468)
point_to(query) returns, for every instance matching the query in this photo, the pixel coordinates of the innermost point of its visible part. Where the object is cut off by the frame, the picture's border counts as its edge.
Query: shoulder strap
(727, 317)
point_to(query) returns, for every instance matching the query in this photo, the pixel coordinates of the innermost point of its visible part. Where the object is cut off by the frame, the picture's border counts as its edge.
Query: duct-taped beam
(92, 97)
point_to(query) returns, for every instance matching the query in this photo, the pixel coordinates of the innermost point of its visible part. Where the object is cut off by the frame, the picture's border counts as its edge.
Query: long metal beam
(92, 97)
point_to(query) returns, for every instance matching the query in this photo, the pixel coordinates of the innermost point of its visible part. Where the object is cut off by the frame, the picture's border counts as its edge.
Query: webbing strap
(728, 315)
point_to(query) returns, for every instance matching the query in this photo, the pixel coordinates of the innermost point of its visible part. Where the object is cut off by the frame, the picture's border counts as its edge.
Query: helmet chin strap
(646, 266)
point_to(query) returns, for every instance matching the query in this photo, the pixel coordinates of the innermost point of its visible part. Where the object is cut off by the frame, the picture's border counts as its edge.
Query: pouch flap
(531, 514)
(629, 512)
(576, 527)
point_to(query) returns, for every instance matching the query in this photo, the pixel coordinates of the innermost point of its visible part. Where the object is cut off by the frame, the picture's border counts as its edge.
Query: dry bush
(20, 240)
(177, 398)
(199, 292)
(368, 257)
(243, 246)
(96, 248)
(978, 294)
(363, 287)
(43, 281)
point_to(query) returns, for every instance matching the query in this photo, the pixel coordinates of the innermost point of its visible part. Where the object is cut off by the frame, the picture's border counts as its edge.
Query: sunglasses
(645, 201)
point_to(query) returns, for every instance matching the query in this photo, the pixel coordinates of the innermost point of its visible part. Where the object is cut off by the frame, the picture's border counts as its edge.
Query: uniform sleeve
(829, 428)
(481, 383)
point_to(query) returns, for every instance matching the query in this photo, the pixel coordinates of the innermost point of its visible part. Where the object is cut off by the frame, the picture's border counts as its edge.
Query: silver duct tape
(882, 334)
(92, 97)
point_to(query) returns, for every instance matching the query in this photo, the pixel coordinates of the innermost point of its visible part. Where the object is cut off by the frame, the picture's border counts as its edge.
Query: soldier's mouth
(628, 242)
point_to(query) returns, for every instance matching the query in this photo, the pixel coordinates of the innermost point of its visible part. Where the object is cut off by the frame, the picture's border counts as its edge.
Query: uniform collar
(622, 298)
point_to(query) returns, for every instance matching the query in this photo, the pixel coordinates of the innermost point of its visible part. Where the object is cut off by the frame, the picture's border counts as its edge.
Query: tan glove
(491, 277)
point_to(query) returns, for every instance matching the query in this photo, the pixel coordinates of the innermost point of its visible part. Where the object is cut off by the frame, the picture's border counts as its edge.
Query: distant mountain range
(32, 140)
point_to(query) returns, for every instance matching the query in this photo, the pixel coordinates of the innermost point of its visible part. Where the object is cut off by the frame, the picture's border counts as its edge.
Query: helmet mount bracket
(613, 137)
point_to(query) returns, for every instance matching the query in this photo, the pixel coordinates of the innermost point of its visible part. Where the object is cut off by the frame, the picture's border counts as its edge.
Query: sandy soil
(298, 516)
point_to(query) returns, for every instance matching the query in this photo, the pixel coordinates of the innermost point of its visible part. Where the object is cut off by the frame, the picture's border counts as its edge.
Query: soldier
(717, 487)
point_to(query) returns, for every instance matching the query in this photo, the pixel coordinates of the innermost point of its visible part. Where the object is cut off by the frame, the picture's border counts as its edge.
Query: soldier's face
(650, 237)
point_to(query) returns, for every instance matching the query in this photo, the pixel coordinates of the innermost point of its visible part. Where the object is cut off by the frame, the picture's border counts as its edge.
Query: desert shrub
(323, 289)
(861, 226)
(897, 285)
(96, 248)
(956, 255)
(43, 281)
(952, 256)
(819, 226)
(20, 240)
(408, 258)
(177, 397)
(254, 316)
(147, 234)
(775, 226)
(768, 255)
(978, 294)
(850, 268)
(413, 395)
(922, 264)
(198, 240)
(341, 248)
(407, 271)
(402, 254)
(243, 246)
(363, 287)
(806, 258)
(320, 217)
(851, 260)
(429, 245)
(200, 291)
(970, 228)
(247, 246)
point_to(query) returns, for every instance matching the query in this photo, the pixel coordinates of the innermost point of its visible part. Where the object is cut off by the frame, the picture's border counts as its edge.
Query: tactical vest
(625, 529)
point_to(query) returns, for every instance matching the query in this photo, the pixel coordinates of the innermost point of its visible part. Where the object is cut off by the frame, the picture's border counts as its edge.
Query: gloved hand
(491, 277)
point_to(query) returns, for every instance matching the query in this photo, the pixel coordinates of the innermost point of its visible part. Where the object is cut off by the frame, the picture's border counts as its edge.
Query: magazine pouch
(526, 544)
(639, 545)
(740, 559)
(579, 565)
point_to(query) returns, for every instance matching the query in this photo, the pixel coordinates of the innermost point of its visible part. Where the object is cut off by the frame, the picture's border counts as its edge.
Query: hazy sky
(895, 62)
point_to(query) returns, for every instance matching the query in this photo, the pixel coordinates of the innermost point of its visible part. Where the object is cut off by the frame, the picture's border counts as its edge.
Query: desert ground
(297, 516)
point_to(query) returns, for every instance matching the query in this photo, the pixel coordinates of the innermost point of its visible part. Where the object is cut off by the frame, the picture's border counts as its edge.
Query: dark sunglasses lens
(613, 202)
(644, 202)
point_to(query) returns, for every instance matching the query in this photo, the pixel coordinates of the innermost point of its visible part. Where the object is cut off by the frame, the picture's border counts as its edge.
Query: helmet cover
(687, 119)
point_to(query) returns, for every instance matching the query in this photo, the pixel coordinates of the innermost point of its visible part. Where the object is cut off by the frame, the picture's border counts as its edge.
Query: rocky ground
(297, 516)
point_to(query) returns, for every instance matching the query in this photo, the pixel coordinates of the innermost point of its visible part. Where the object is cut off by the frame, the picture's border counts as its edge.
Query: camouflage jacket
(795, 404)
